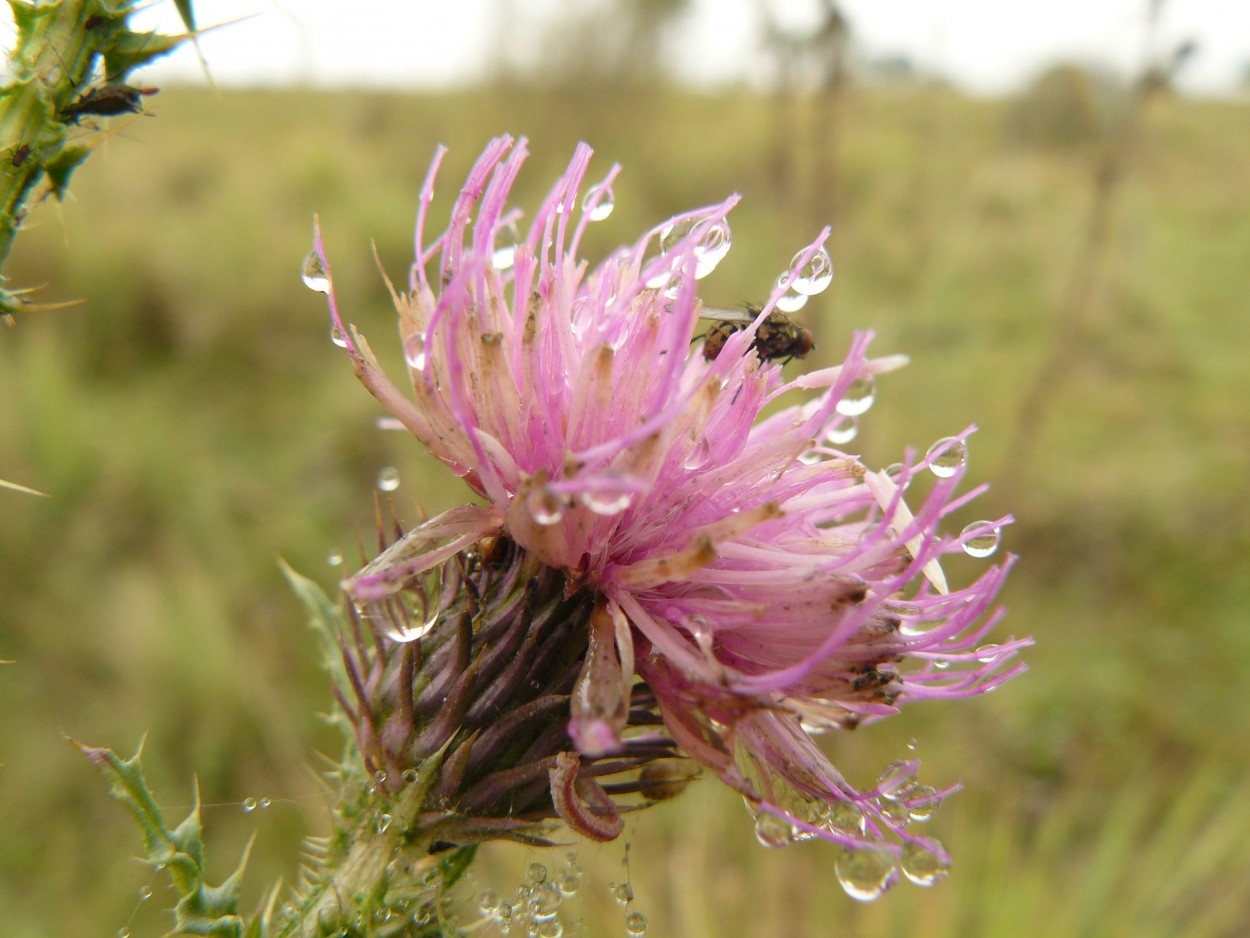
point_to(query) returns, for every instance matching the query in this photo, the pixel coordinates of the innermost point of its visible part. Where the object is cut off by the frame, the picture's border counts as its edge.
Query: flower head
(765, 585)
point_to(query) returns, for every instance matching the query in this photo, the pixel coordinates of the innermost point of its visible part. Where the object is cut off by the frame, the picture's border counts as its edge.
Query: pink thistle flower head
(767, 586)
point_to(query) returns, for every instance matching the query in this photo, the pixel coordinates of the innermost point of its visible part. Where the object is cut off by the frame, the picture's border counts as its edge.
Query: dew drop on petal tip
(921, 865)
(337, 337)
(865, 872)
(923, 802)
(772, 831)
(402, 634)
(314, 274)
(858, 397)
(982, 544)
(388, 479)
(814, 276)
(947, 456)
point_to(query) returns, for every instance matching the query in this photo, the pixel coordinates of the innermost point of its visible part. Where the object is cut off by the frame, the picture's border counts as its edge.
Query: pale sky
(984, 45)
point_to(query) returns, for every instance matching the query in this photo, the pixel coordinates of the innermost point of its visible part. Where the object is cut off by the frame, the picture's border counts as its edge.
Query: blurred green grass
(193, 423)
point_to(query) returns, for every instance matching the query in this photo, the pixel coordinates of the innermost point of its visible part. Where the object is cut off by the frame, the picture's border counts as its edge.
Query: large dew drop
(947, 456)
(858, 397)
(923, 866)
(635, 924)
(773, 831)
(982, 543)
(865, 873)
(314, 274)
(402, 631)
(598, 203)
(814, 276)
(388, 479)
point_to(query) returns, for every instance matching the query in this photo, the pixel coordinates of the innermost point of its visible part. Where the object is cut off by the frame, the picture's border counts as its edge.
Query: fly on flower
(729, 582)
(778, 336)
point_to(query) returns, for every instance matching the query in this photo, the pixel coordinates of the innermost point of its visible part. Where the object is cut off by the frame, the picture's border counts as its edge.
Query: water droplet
(551, 928)
(503, 911)
(383, 823)
(897, 779)
(773, 831)
(791, 302)
(545, 902)
(923, 802)
(405, 631)
(912, 745)
(265, 802)
(714, 242)
(659, 280)
(923, 866)
(336, 336)
(989, 653)
(983, 543)
(123, 932)
(635, 924)
(814, 276)
(249, 805)
(858, 397)
(545, 506)
(946, 456)
(895, 471)
(846, 817)
(314, 273)
(414, 351)
(598, 203)
(569, 883)
(712, 248)
(698, 455)
(536, 873)
(409, 776)
(488, 900)
(388, 479)
(145, 893)
(895, 811)
(865, 872)
(380, 776)
(334, 558)
(623, 893)
(504, 257)
(842, 432)
(941, 664)
(607, 501)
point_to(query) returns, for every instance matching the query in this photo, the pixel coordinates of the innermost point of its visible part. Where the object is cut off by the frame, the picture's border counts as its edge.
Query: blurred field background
(193, 423)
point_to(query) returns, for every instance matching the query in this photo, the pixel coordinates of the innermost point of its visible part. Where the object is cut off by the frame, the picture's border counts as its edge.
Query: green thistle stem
(53, 63)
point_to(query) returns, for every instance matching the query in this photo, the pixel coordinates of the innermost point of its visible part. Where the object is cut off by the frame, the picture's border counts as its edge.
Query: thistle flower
(760, 585)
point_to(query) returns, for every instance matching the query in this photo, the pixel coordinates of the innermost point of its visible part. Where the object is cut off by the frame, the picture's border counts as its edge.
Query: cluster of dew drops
(865, 873)
(804, 278)
(533, 909)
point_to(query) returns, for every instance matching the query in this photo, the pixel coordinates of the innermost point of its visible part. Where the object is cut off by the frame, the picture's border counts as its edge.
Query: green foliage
(52, 71)
(202, 909)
